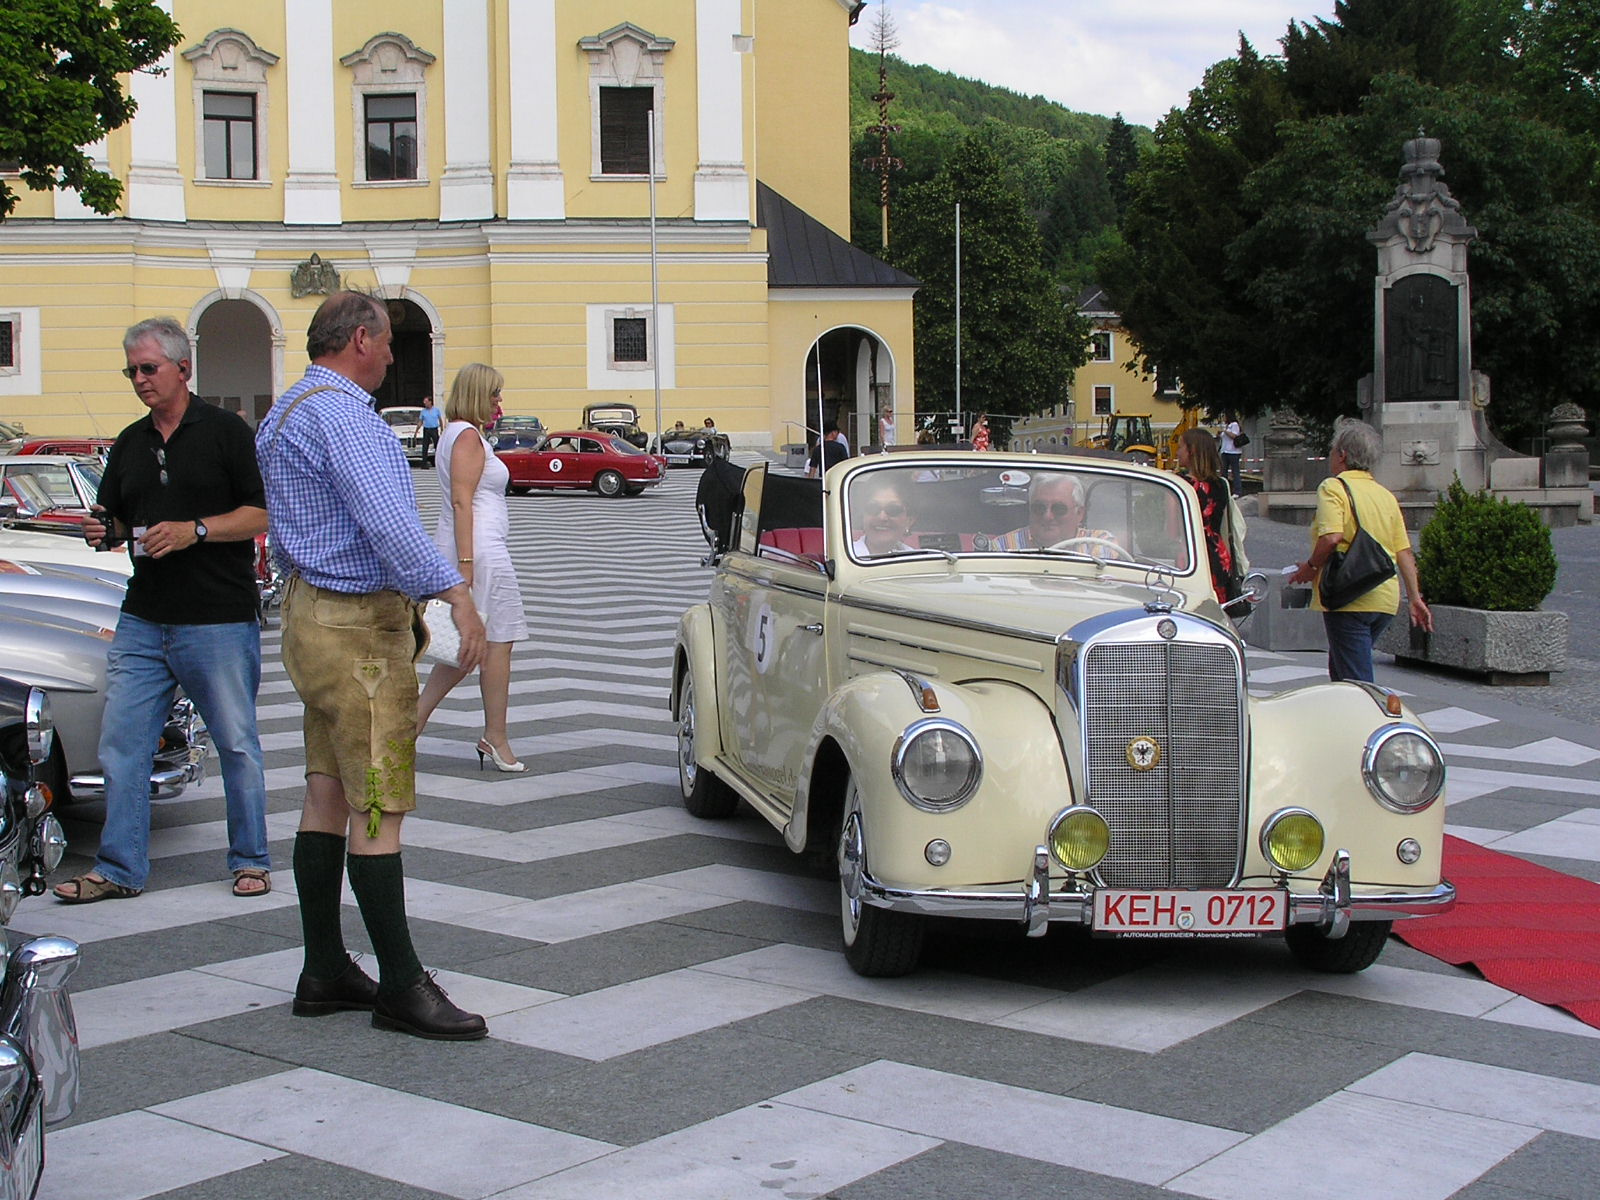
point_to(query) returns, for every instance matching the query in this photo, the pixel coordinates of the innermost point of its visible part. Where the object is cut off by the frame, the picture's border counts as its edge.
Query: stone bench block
(1507, 647)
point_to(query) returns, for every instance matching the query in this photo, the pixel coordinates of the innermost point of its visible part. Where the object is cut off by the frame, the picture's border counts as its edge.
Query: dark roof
(803, 252)
(1093, 299)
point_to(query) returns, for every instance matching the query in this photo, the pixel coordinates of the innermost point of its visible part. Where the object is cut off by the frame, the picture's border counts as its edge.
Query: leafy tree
(1244, 265)
(1122, 157)
(1019, 342)
(60, 87)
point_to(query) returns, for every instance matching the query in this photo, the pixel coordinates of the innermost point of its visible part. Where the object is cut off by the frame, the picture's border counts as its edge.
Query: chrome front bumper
(1332, 906)
(165, 781)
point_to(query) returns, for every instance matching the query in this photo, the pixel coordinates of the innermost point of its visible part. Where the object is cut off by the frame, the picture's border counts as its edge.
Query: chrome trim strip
(1076, 908)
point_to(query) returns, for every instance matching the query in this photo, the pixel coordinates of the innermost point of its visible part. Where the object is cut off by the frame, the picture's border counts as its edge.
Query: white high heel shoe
(510, 766)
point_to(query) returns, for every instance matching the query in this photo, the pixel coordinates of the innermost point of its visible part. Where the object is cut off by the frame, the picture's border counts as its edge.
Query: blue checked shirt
(340, 506)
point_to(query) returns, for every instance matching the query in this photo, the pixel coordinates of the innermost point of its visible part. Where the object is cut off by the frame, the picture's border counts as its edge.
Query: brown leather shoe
(350, 990)
(423, 1010)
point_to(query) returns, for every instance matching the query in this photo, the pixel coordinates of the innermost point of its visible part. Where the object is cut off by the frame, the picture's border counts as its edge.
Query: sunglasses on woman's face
(145, 369)
(1052, 508)
(888, 510)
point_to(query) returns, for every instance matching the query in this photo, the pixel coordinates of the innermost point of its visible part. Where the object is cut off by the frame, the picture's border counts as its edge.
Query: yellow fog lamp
(1079, 838)
(1292, 839)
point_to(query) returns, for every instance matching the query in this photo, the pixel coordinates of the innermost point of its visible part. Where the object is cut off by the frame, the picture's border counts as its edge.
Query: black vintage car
(619, 419)
(38, 1035)
(683, 447)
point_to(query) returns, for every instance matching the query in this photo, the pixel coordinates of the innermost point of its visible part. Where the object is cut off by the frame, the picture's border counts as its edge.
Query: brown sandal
(86, 889)
(264, 877)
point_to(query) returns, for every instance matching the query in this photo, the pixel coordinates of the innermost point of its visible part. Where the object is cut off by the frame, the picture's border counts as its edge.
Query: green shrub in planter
(1480, 552)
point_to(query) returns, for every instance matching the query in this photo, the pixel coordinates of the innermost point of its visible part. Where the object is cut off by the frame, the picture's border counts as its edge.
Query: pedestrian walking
(430, 420)
(472, 531)
(831, 449)
(980, 432)
(1350, 502)
(181, 487)
(1232, 453)
(1200, 465)
(345, 523)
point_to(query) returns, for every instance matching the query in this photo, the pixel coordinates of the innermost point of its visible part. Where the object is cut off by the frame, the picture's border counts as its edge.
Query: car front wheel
(704, 795)
(609, 483)
(878, 942)
(1357, 950)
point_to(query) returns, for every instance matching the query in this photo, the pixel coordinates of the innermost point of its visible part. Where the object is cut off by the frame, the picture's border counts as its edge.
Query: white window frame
(1110, 399)
(1094, 346)
(14, 367)
(23, 377)
(629, 57)
(613, 363)
(389, 64)
(227, 60)
(605, 373)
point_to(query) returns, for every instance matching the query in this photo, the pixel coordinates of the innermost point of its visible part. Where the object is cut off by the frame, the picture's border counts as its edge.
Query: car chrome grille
(1176, 825)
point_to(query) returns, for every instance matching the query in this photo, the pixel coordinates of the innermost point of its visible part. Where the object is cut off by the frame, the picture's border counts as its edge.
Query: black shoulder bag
(1350, 574)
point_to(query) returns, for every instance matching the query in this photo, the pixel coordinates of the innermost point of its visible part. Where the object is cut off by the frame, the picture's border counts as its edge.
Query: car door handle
(814, 627)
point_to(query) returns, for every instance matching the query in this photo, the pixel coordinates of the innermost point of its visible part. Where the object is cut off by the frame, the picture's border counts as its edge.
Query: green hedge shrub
(1480, 552)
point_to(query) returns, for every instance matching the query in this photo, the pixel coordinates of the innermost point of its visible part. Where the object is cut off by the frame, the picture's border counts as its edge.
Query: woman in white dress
(473, 526)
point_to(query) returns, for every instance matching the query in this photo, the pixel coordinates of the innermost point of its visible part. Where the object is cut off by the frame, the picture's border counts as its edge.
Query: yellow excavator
(1130, 433)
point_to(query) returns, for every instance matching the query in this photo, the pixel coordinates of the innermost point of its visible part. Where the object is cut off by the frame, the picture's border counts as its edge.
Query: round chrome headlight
(936, 765)
(1292, 839)
(1079, 838)
(1403, 768)
(41, 729)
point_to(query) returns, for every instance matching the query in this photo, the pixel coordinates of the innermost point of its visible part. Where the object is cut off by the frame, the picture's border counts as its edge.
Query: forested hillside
(1053, 157)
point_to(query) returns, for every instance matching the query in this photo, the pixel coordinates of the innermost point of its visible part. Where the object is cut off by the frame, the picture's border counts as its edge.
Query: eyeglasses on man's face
(145, 368)
(1051, 508)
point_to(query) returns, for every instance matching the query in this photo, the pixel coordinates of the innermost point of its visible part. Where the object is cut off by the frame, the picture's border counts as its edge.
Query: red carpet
(1527, 928)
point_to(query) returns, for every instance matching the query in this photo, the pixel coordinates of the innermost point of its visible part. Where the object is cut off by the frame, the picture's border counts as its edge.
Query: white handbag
(444, 642)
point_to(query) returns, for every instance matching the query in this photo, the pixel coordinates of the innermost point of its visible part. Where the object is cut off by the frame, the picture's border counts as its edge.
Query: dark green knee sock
(319, 878)
(380, 887)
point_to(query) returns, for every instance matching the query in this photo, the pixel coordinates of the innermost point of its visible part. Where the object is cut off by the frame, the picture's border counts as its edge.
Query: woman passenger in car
(880, 517)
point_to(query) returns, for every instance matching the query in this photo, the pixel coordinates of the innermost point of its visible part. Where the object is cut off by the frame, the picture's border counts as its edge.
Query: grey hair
(1055, 480)
(165, 332)
(338, 317)
(1359, 443)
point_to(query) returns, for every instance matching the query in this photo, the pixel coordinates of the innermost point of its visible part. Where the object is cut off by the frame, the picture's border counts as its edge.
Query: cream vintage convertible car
(994, 686)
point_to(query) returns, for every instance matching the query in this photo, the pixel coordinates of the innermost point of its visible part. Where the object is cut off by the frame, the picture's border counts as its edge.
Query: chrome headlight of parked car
(41, 729)
(1403, 768)
(937, 765)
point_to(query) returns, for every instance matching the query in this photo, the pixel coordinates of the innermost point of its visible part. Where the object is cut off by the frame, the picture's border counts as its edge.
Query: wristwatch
(200, 531)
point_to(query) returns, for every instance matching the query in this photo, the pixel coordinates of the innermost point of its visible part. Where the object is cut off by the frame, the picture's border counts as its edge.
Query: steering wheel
(1071, 542)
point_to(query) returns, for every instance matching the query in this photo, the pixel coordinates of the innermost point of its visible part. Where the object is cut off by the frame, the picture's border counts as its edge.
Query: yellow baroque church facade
(484, 166)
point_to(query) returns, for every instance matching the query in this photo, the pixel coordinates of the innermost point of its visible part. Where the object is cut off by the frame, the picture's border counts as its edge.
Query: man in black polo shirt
(181, 486)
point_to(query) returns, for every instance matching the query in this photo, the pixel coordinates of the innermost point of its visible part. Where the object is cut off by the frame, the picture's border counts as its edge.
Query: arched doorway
(854, 371)
(410, 376)
(233, 358)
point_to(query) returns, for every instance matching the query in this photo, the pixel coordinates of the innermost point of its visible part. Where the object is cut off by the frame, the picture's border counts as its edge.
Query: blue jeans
(1350, 639)
(219, 668)
(1230, 471)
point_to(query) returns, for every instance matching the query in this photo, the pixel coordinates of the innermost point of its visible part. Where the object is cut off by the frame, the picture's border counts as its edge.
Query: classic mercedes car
(1002, 688)
(52, 489)
(582, 458)
(38, 1034)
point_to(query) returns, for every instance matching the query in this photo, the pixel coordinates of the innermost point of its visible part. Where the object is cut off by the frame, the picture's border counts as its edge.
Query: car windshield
(30, 493)
(1025, 508)
(51, 482)
(621, 446)
(401, 416)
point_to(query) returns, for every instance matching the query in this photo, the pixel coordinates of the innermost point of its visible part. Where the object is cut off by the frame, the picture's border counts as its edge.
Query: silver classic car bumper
(176, 765)
(1332, 906)
(38, 1056)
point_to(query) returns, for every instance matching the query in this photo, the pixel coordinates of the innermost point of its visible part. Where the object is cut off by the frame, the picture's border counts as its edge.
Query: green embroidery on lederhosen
(382, 767)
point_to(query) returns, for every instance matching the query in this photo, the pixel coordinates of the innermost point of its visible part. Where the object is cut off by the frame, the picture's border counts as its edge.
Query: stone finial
(1286, 436)
(1568, 425)
(1422, 207)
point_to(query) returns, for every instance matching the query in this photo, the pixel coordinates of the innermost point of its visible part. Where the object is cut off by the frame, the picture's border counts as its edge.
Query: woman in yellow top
(1353, 629)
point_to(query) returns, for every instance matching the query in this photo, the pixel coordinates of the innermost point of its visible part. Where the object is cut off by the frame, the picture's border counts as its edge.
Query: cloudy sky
(1136, 57)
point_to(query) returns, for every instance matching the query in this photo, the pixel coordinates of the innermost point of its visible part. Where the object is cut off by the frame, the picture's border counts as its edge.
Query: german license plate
(1127, 913)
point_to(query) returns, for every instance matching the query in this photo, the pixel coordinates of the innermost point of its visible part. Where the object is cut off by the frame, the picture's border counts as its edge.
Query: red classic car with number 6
(582, 458)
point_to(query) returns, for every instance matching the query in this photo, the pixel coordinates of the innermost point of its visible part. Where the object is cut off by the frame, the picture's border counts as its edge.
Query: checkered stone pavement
(670, 1016)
